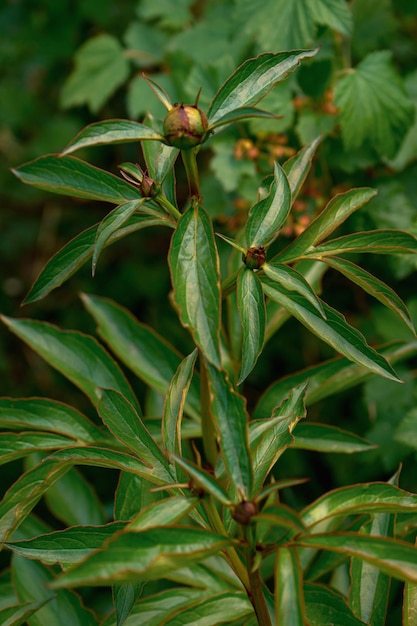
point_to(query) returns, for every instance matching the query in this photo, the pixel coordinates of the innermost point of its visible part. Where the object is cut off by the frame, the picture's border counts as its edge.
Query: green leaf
(79, 357)
(243, 113)
(8, 597)
(133, 493)
(277, 515)
(374, 107)
(73, 500)
(195, 277)
(369, 589)
(289, 596)
(111, 131)
(101, 66)
(360, 499)
(159, 157)
(213, 574)
(293, 281)
(406, 431)
(152, 610)
(252, 80)
(392, 556)
(298, 167)
(251, 305)
(229, 413)
(204, 480)
(280, 484)
(259, 21)
(32, 525)
(75, 253)
(139, 99)
(208, 44)
(125, 423)
(311, 123)
(124, 598)
(334, 330)
(327, 378)
(145, 43)
(18, 615)
(410, 604)
(222, 608)
(139, 347)
(228, 171)
(335, 213)
(163, 512)
(408, 148)
(374, 241)
(279, 99)
(268, 215)
(162, 10)
(269, 437)
(374, 287)
(69, 176)
(31, 581)
(332, 13)
(146, 555)
(174, 403)
(50, 415)
(324, 438)
(23, 495)
(104, 457)
(159, 92)
(110, 224)
(66, 547)
(14, 446)
(324, 606)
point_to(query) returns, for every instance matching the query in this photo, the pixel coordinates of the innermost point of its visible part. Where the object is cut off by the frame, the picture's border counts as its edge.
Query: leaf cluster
(198, 527)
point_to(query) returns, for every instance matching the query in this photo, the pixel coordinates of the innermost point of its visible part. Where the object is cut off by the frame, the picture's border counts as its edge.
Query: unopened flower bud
(147, 186)
(136, 176)
(185, 126)
(254, 258)
(244, 511)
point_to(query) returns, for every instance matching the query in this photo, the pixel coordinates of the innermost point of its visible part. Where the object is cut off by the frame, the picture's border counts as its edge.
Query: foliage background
(67, 64)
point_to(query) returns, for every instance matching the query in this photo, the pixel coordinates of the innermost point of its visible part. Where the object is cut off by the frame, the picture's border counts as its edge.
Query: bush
(191, 522)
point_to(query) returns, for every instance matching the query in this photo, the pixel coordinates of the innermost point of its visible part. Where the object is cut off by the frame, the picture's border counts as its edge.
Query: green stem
(231, 554)
(166, 204)
(258, 598)
(207, 425)
(190, 164)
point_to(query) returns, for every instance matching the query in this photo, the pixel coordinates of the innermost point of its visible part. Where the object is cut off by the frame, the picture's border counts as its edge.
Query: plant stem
(166, 204)
(191, 169)
(256, 594)
(232, 556)
(250, 579)
(258, 598)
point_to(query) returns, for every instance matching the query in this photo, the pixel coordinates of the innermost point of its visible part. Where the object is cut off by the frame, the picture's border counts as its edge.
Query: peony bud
(136, 176)
(185, 126)
(244, 511)
(147, 186)
(254, 258)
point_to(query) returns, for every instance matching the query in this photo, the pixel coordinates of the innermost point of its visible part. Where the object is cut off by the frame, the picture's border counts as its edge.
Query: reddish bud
(147, 186)
(255, 257)
(185, 126)
(244, 511)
